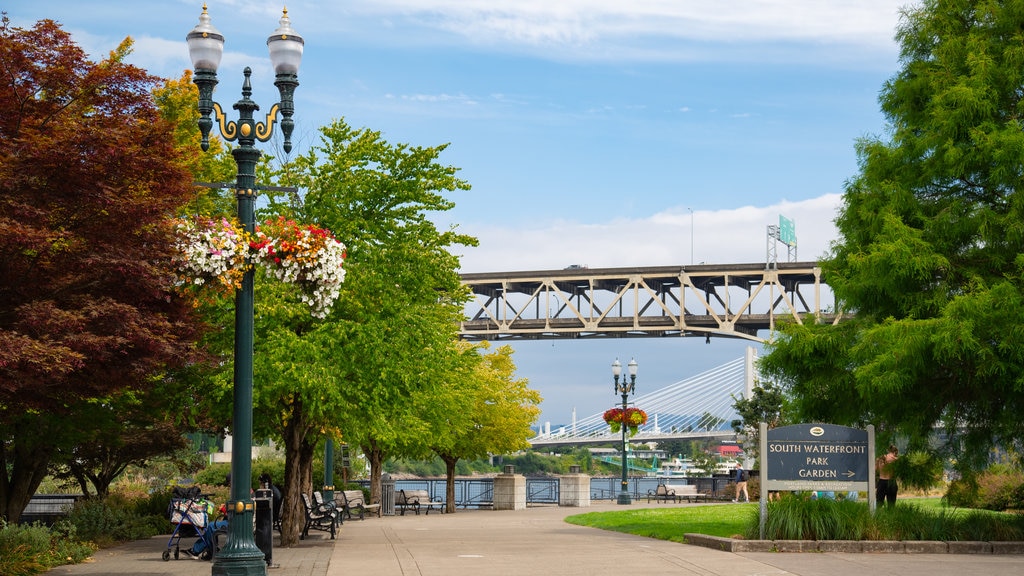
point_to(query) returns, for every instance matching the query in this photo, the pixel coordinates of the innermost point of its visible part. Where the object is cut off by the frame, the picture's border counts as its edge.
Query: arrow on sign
(849, 473)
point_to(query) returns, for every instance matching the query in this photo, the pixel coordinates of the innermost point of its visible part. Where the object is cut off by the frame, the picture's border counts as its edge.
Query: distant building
(730, 451)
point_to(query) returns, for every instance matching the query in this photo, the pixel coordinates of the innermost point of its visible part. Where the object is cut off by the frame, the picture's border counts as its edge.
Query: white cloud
(861, 22)
(735, 236)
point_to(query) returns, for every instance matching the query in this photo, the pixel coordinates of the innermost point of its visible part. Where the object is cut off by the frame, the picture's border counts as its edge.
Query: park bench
(689, 492)
(319, 517)
(353, 502)
(662, 494)
(415, 500)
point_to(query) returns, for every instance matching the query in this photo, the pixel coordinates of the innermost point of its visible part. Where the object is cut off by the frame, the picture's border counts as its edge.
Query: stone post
(574, 489)
(509, 490)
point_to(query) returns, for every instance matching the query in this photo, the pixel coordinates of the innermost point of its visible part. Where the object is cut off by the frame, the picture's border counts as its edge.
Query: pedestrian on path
(742, 476)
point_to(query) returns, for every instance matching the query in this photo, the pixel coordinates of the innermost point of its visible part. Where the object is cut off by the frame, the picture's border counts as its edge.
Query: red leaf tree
(88, 178)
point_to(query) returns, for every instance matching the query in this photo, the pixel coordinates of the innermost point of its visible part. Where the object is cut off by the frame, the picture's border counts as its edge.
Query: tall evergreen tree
(930, 257)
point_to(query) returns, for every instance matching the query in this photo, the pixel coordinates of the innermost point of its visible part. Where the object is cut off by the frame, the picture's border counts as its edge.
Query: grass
(796, 518)
(671, 523)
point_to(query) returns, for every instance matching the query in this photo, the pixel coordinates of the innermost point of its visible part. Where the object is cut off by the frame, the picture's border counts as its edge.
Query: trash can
(264, 534)
(387, 495)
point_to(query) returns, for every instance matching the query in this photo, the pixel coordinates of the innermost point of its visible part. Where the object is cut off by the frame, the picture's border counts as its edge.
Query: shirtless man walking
(885, 491)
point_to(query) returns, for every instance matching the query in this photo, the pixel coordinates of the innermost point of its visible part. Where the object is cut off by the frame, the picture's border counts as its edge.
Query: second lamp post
(625, 388)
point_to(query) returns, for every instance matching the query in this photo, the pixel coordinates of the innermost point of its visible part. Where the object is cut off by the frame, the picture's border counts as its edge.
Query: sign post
(816, 457)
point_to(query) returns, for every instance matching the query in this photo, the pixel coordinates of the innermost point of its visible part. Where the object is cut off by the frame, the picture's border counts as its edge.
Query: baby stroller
(189, 511)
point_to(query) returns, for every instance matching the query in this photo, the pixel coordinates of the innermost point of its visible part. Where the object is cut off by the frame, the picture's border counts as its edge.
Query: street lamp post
(625, 388)
(206, 46)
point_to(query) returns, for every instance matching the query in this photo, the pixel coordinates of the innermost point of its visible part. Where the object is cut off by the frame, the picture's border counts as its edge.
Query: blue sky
(597, 132)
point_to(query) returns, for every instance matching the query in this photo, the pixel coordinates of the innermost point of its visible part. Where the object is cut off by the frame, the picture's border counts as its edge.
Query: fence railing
(479, 492)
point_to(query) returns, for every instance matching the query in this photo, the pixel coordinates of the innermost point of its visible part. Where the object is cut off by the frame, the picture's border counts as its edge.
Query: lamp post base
(253, 564)
(624, 498)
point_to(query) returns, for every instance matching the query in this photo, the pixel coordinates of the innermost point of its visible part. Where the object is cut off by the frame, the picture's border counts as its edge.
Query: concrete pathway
(535, 541)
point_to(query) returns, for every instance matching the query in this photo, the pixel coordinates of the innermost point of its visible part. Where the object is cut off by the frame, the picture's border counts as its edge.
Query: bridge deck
(733, 300)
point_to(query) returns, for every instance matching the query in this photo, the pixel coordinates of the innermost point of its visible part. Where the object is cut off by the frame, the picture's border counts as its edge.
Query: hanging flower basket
(304, 255)
(210, 253)
(631, 418)
(217, 253)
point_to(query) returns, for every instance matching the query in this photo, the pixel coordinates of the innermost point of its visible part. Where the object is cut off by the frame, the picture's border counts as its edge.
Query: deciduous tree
(390, 336)
(497, 410)
(88, 177)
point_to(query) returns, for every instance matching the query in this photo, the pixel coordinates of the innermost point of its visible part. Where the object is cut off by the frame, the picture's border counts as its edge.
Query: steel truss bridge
(732, 300)
(698, 407)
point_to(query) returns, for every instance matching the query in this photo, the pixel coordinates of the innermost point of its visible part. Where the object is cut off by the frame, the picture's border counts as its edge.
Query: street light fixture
(206, 46)
(625, 388)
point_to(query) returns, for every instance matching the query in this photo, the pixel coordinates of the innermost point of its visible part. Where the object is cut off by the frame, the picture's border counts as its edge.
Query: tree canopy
(88, 178)
(496, 411)
(930, 257)
(391, 335)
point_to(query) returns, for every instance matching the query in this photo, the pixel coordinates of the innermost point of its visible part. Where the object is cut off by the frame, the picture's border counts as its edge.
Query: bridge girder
(733, 301)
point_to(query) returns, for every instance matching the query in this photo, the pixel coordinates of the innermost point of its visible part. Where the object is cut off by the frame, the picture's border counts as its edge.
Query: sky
(594, 132)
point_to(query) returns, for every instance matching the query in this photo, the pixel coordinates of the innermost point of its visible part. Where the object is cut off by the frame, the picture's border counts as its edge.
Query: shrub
(910, 522)
(213, 474)
(962, 493)
(998, 488)
(34, 549)
(65, 545)
(105, 524)
(799, 517)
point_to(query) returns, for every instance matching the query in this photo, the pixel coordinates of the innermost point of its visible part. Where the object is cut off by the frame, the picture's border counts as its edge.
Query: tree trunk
(23, 465)
(293, 512)
(449, 475)
(375, 455)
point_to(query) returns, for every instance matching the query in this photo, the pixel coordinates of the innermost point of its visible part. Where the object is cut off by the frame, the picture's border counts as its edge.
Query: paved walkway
(534, 541)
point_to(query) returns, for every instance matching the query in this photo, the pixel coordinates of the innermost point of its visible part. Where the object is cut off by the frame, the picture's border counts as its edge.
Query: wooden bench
(319, 517)
(687, 491)
(662, 494)
(415, 500)
(353, 502)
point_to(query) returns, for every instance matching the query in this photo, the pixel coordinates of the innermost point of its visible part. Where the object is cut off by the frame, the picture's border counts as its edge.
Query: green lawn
(671, 522)
(912, 519)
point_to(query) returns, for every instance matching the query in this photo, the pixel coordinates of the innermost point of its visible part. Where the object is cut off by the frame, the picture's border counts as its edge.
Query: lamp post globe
(625, 388)
(240, 555)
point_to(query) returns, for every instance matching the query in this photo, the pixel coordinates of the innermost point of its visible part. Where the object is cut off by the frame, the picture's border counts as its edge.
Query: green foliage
(529, 462)
(908, 521)
(998, 488)
(98, 521)
(918, 469)
(432, 468)
(153, 504)
(34, 549)
(214, 474)
(799, 517)
(929, 254)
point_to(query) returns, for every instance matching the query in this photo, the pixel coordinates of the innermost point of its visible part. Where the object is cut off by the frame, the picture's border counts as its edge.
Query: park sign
(816, 457)
(819, 457)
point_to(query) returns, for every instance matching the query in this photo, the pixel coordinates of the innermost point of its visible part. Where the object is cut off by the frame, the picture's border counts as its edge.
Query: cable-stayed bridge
(697, 407)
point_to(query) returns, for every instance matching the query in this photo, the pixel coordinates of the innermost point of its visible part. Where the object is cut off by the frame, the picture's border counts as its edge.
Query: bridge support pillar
(509, 490)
